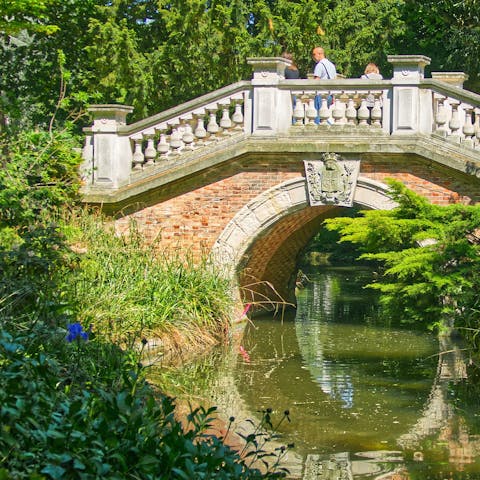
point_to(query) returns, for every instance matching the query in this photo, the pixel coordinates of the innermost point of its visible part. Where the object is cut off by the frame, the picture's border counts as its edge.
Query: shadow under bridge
(262, 243)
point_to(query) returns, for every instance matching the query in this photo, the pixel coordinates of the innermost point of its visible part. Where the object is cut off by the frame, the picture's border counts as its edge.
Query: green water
(356, 388)
(350, 383)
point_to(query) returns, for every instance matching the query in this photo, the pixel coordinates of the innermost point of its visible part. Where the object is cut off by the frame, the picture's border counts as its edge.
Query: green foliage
(448, 32)
(39, 175)
(18, 15)
(129, 289)
(119, 70)
(70, 411)
(73, 405)
(326, 246)
(429, 254)
(157, 54)
(363, 31)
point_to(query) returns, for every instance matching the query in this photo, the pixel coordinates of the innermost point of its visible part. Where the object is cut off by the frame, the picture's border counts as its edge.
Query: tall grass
(128, 289)
(75, 402)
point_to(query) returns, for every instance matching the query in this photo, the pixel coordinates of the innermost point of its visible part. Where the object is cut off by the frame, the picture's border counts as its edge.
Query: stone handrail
(116, 154)
(114, 151)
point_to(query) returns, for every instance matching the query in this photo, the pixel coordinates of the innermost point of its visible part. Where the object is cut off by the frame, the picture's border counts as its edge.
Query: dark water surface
(364, 398)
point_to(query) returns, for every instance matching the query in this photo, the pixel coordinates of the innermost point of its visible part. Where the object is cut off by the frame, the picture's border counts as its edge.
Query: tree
(448, 31)
(363, 31)
(30, 15)
(120, 73)
(430, 256)
(154, 54)
(39, 64)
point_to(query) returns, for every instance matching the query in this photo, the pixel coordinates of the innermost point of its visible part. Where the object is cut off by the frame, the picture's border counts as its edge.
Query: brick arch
(261, 244)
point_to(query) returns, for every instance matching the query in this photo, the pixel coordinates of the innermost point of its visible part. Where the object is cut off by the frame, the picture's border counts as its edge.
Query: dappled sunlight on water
(364, 398)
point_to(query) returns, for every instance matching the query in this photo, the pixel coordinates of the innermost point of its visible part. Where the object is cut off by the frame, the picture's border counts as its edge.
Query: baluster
(363, 112)
(454, 123)
(200, 132)
(163, 147)
(212, 127)
(150, 152)
(237, 116)
(441, 117)
(351, 111)
(338, 111)
(175, 141)
(311, 112)
(324, 112)
(468, 127)
(138, 157)
(376, 113)
(477, 126)
(298, 109)
(225, 122)
(187, 133)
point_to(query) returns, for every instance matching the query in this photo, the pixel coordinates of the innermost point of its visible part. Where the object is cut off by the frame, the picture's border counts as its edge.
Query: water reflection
(352, 383)
(366, 400)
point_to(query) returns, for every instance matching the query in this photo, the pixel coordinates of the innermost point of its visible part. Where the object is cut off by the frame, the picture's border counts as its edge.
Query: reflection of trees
(439, 416)
(332, 378)
(340, 352)
(294, 365)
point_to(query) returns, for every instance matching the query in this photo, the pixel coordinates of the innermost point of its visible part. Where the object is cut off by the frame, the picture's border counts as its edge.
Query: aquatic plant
(129, 289)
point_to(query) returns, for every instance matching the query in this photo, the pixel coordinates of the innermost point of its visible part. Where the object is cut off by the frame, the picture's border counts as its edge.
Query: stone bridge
(249, 172)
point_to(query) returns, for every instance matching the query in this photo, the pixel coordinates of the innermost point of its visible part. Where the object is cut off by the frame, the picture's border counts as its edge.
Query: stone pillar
(452, 78)
(112, 153)
(272, 108)
(412, 107)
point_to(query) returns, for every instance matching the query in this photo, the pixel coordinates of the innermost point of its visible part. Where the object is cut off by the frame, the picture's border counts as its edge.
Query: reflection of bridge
(273, 382)
(228, 171)
(438, 421)
(438, 411)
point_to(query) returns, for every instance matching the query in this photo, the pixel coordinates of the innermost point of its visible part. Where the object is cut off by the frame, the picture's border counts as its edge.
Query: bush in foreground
(72, 407)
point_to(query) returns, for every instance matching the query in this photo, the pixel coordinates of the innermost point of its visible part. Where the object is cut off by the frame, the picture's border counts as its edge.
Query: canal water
(366, 399)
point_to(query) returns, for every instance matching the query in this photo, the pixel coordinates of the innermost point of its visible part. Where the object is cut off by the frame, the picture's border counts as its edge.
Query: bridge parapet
(117, 154)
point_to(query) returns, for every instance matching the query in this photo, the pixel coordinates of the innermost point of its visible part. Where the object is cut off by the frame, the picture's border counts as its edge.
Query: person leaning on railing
(324, 70)
(371, 73)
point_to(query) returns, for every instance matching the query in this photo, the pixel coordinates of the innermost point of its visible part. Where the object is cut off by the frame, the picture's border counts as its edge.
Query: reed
(129, 289)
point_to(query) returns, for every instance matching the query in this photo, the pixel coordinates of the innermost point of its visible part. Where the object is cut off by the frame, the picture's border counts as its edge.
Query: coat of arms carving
(331, 181)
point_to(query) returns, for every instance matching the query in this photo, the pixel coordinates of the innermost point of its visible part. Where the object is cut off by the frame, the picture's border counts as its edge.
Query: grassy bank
(77, 305)
(130, 290)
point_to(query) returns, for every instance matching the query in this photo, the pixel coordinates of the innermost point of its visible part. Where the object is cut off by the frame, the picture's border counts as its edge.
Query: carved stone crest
(331, 181)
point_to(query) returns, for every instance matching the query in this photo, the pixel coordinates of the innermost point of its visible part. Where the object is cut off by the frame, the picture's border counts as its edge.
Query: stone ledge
(437, 149)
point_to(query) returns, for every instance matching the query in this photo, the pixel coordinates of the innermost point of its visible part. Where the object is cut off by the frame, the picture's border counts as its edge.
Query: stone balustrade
(184, 133)
(116, 154)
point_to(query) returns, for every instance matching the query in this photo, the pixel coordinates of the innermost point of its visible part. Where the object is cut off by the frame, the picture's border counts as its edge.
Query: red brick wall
(191, 214)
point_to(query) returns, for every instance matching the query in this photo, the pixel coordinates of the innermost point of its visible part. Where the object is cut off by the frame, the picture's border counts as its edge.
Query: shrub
(78, 410)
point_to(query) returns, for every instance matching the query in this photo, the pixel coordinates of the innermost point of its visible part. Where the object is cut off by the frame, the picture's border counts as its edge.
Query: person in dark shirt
(291, 71)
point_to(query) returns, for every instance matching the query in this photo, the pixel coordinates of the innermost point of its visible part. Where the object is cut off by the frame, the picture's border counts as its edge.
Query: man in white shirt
(324, 70)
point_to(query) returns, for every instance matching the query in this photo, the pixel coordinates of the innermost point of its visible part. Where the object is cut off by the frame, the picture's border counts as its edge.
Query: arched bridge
(250, 171)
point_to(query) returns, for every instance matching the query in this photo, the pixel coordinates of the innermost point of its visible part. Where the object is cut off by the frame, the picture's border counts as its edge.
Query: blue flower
(76, 332)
